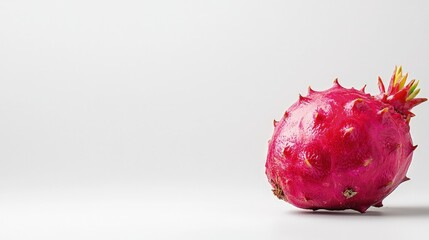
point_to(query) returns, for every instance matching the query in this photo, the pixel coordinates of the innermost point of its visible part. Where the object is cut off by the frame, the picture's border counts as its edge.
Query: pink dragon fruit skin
(342, 148)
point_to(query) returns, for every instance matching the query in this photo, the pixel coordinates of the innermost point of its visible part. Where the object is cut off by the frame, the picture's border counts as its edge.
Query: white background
(150, 119)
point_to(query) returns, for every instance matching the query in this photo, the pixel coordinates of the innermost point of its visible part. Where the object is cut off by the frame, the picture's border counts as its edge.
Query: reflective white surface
(185, 213)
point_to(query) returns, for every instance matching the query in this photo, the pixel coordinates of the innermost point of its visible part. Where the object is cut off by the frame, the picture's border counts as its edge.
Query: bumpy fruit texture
(343, 148)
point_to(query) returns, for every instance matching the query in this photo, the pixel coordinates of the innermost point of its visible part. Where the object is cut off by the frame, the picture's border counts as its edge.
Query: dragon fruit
(343, 148)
